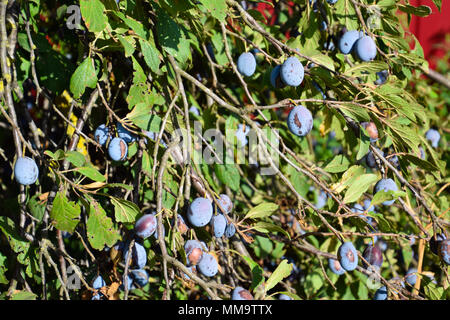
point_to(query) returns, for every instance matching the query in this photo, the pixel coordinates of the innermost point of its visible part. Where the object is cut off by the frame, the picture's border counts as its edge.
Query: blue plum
(194, 110)
(335, 267)
(138, 256)
(321, 199)
(348, 39)
(386, 185)
(129, 281)
(98, 283)
(154, 136)
(371, 158)
(241, 135)
(365, 48)
(367, 206)
(394, 161)
(240, 293)
(26, 171)
(371, 129)
(381, 294)
(444, 250)
(117, 149)
(218, 224)
(246, 64)
(140, 276)
(411, 276)
(181, 225)
(292, 72)
(300, 121)
(316, 85)
(373, 255)
(208, 265)
(435, 241)
(101, 134)
(225, 203)
(156, 234)
(200, 212)
(381, 77)
(332, 1)
(145, 226)
(230, 230)
(433, 136)
(194, 252)
(192, 269)
(329, 45)
(126, 135)
(348, 256)
(275, 78)
(284, 297)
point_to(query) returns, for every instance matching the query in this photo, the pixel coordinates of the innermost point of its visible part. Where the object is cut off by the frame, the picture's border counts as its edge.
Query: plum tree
(123, 112)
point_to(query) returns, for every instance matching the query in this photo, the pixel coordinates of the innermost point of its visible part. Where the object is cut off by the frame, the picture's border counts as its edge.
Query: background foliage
(144, 64)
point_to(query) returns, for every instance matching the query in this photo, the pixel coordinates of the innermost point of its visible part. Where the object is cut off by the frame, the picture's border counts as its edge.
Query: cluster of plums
(117, 146)
(363, 46)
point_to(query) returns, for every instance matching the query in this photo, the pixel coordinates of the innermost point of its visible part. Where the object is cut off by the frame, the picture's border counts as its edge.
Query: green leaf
(432, 290)
(421, 11)
(283, 270)
(364, 143)
(257, 272)
(216, 8)
(128, 44)
(3, 269)
(17, 244)
(93, 15)
(91, 172)
(359, 186)
(151, 55)
(382, 196)
(124, 211)
(23, 295)
(267, 227)
(65, 214)
(100, 228)
(262, 210)
(133, 24)
(323, 60)
(338, 164)
(348, 178)
(171, 37)
(76, 158)
(84, 76)
(366, 68)
(143, 118)
(229, 175)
